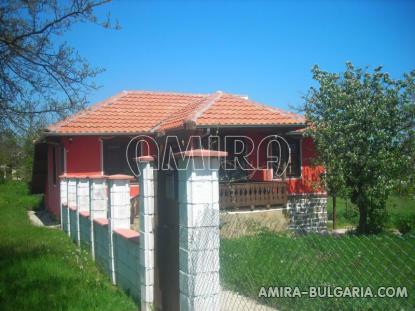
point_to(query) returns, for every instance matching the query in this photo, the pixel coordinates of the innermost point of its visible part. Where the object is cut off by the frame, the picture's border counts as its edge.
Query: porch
(252, 195)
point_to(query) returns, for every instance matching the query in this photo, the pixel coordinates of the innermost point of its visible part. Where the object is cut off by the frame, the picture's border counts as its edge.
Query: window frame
(299, 174)
(122, 144)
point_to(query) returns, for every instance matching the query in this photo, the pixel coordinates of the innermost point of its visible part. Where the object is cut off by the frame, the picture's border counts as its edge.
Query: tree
(363, 125)
(38, 75)
(42, 79)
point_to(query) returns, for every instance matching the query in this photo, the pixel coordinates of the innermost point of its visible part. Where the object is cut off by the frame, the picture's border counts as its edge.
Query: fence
(252, 194)
(95, 212)
(266, 266)
(232, 260)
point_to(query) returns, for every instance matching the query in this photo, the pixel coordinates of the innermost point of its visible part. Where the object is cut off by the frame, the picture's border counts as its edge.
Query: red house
(96, 141)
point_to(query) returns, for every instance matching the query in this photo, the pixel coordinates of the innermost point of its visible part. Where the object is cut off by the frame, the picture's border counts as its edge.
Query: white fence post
(147, 186)
(82, 197)
(98, 204)
(72, 200)
(119, 212)
(63, 192)
(199, 229)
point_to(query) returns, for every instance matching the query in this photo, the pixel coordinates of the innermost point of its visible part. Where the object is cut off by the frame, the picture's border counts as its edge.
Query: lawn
(397, 208)
(267, 259)
(41, 269)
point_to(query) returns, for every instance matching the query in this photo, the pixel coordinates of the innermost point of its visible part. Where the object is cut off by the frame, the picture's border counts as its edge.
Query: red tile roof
(133, 112)
(235, 110)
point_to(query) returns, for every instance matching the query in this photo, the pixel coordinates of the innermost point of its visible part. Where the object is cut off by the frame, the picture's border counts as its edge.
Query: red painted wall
(310, 181)
(310, 174)
(83, 155)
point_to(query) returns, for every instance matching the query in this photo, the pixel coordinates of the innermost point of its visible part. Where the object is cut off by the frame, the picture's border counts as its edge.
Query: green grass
(248, 263)
(347, 214)
(41, 269)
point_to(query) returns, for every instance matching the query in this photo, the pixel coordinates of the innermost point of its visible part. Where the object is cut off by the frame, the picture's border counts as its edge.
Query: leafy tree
(42, 78)
(39, 72)
(363, 124)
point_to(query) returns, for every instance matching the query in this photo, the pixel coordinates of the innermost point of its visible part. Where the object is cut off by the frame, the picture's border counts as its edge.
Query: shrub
(405, 223)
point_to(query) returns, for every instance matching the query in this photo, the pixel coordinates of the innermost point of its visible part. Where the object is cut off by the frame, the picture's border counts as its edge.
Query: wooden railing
(252, 195)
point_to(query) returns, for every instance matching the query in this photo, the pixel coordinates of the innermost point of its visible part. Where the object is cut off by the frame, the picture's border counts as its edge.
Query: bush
(405, 223)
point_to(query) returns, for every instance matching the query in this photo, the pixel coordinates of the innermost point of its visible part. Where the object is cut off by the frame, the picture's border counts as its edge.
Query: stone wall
(307, 213)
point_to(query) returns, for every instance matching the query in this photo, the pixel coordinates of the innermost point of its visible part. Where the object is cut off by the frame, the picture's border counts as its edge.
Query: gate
(167, 242)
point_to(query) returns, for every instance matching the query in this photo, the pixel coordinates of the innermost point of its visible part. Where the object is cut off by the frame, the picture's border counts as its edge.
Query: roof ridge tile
(204, 106)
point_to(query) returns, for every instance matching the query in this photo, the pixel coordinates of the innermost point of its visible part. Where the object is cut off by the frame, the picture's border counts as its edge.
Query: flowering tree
(363, 124)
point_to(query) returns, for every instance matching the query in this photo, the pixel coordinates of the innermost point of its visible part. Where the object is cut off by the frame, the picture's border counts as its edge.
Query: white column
(98, 203)
(147, 183)
(63, 191)
(72, 200)
(199, 230)
(82, 199)
(119, 212)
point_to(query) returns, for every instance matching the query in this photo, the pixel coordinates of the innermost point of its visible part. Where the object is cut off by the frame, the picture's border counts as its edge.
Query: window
(115, 161)
(235, 168)
(294, 166)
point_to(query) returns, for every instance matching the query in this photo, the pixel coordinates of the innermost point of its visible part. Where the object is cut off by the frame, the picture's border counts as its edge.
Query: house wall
(83, 157)
(307, 213)
(310, 174)
(52, 185)
(307, 200)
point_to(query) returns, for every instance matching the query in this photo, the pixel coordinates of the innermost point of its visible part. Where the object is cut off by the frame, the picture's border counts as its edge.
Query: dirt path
(230, 301)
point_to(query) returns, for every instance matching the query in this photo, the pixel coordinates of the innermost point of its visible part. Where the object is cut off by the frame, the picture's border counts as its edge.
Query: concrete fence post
(119, 212)
(82, 197)
(98, 203)
(72, 200)
(63, 192)
(199, 229)
(147, 184)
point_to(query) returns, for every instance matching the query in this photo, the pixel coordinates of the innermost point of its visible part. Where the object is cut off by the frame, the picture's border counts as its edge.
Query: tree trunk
(334, 212)
(362, 219)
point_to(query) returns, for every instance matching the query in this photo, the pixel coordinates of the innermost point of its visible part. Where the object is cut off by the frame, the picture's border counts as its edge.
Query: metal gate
(167, 242)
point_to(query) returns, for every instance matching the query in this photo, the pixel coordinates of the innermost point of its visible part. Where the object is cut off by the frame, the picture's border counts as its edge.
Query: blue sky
(263, 49)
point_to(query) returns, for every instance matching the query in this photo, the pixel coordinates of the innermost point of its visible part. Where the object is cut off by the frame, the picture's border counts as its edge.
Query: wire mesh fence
(265, 267)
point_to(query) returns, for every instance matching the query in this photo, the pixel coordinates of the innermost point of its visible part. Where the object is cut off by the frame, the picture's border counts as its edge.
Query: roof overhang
(291, 127)
(48, 134)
